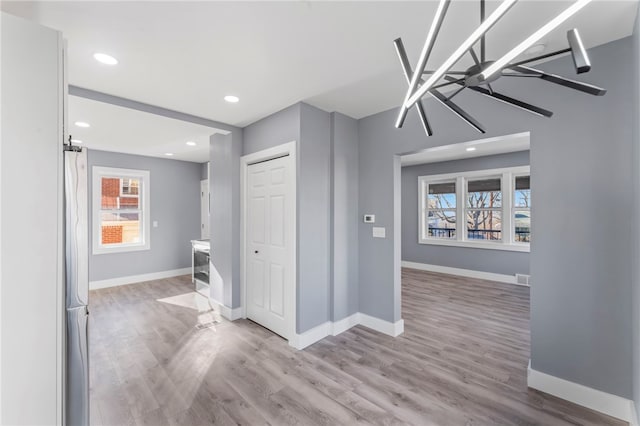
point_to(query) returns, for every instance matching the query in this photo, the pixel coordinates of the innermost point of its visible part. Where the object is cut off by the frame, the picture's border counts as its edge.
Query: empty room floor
(161, 356)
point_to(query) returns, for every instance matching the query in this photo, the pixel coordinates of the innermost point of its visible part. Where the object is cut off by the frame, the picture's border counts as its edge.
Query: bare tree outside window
(441, 202)
(484, 209)
(522, 209)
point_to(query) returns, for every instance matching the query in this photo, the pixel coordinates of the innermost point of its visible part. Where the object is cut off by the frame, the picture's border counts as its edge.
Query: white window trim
(507, 175)
(144, 191)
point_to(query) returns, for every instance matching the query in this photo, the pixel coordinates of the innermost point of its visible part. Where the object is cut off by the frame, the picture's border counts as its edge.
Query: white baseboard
(611, 405)
(134, 279)
(490, 276)
(344, 324)
(231, 314)
(634, 416)
(309, 337)
(393, 329)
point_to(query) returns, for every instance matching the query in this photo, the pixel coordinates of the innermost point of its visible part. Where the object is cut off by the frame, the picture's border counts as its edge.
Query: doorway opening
(465, 212)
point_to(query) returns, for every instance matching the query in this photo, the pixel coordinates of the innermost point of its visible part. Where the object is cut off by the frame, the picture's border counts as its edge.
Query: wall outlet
(369, 218)
(523, 279)
(379, 232)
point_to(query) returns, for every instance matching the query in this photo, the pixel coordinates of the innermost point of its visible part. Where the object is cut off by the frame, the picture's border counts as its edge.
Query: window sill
(120, 249)
(478, 245)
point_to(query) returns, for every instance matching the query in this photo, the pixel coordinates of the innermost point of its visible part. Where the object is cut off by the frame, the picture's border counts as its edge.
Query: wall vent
(523, 279)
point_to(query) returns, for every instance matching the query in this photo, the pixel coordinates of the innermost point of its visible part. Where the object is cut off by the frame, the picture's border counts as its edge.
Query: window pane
(130, 186)
(442, 224)
(442, 195)
(484, 193)
(120, 228)
(120, 193)
(522, 222)
(522, 196)
(484, 225)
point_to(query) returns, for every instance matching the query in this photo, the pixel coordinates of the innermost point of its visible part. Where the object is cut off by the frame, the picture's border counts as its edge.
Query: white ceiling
(337, 56)
(114, 128)
(483, 147)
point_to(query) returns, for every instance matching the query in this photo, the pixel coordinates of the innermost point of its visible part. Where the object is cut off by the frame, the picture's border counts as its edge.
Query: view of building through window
(120, 210)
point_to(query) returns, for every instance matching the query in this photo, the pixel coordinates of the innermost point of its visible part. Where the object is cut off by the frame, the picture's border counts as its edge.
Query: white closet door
(270, 280)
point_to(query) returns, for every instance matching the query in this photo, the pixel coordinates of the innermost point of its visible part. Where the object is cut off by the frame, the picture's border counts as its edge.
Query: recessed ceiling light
(231, 98)
(105, 59)
(76, 141)
(191, 143)
(471, 148)
(168, 154)
(82, 124)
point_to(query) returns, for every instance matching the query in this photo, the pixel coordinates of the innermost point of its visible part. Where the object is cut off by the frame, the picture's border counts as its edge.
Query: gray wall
(276, 129)
(581, 174)
(175, 204)
(344, 225)
(636, 212)
(495, 261)
(224, 231)
(311, 129)
(204, 171)
(314, 210)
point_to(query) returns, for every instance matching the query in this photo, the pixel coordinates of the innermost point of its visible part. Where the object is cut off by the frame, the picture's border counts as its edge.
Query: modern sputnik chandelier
(479, 77)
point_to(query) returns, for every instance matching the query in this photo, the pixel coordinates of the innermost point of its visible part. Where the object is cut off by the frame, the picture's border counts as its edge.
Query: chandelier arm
(513, 74)
(448, 83)
(572, 84)
(489, 88)
(474, 56)
(506, 59)
(537, 58)
(441, 11)
(457, 110)
(513, 102)
(503, 8)
(460, 89)
(448, 72)
(408, 74)
(579, 54)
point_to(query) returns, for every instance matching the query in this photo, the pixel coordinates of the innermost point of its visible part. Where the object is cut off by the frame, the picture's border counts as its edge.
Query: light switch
(155, 223)
(379, 232)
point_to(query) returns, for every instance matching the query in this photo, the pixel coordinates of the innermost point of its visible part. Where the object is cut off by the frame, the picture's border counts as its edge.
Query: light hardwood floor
(462, 360)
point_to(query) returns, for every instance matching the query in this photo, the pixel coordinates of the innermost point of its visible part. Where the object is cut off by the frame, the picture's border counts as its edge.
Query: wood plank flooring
(461, 361)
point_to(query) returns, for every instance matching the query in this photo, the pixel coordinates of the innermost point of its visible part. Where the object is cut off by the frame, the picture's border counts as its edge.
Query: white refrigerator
(76, 285)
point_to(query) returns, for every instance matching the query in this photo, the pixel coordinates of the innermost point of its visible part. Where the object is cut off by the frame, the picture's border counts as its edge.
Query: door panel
(270, 246)
(277, 221)
(257, 280)
(276, 290)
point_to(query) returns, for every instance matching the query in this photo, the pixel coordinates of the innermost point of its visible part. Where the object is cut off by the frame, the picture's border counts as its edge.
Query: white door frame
(245, 161)
(205, 201)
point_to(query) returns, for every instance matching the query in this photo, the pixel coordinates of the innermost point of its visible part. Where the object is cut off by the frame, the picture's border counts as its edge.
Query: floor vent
(204, 325)
(522, 279)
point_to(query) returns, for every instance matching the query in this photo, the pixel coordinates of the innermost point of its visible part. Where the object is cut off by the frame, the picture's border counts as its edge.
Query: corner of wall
(635, 249)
